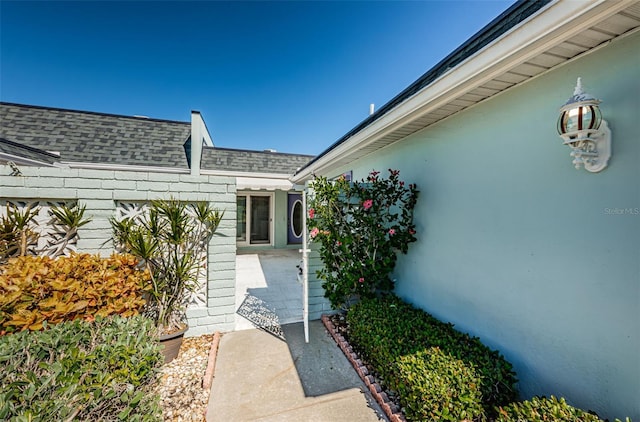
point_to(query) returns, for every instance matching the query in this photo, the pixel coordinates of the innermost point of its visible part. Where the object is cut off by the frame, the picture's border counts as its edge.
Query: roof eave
(19, 160)
(556, 21)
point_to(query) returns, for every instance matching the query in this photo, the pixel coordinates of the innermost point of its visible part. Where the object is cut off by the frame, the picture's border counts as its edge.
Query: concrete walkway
(259, 377)
(267, 288)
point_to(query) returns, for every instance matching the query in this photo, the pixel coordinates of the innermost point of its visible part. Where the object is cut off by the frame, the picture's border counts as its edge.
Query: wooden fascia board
(550, 26)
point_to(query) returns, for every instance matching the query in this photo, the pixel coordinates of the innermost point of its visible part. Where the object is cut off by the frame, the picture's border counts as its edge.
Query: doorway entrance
(254, 220)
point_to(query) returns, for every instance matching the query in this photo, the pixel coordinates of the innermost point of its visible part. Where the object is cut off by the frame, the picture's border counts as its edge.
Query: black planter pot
(170, 344)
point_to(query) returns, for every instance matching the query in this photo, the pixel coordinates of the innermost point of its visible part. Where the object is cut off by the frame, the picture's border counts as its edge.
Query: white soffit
(259, 183)
(556, 34)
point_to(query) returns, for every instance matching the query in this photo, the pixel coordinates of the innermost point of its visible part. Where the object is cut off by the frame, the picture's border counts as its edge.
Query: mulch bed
(337, 327)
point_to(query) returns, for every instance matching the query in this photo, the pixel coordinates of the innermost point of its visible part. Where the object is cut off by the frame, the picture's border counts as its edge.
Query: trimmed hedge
(35, 290)
(385, 329)
(103, 370)
(542, 409)
(437, 387)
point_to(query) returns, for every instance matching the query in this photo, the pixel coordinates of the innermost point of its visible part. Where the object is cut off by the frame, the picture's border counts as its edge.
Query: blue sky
(294, 76)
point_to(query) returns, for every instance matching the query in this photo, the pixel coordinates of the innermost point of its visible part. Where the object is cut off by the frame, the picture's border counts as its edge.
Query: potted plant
(171, 241)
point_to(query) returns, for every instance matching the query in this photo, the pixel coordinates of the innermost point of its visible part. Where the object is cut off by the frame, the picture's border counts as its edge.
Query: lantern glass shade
(579, 117)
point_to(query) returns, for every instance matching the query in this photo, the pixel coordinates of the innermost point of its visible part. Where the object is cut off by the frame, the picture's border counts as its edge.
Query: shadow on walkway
(260, 314)
(259, 377)
(268, 293)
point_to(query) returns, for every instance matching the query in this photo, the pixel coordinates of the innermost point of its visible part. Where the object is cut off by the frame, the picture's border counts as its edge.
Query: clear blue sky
(294, 76)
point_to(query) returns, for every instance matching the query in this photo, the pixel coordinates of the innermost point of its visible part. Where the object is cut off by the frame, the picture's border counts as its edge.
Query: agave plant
(170, 241)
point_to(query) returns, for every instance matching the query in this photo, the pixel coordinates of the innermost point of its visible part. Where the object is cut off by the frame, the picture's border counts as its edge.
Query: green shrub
(387, 328)
(361, 227)
(540, 409)
(434, 386)
(103, 370)
(38, 289)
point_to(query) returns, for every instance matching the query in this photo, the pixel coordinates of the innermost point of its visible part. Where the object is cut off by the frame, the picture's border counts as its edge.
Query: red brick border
(390, 409)
(211, 365)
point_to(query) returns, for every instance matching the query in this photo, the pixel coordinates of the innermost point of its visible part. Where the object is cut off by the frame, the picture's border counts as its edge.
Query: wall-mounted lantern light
(582, 128)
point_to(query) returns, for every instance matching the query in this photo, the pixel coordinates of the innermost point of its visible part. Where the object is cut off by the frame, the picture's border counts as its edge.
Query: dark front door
(294, 218)
(260, 219)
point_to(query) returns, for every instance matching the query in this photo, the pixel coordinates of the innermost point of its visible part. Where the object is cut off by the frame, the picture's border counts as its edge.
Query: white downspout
(305, 267)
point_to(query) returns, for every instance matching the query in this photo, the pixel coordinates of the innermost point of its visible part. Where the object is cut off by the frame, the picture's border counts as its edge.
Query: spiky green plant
(17, 235)
(66, 219)
(170, 240)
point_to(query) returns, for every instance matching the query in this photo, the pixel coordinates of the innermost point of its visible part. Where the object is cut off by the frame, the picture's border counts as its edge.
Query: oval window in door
(296, 219)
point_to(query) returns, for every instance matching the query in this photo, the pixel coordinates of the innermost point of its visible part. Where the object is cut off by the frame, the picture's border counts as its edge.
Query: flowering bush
(361, 226)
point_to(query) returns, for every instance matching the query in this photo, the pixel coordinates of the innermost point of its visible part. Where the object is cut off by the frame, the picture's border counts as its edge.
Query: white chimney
(371, 109)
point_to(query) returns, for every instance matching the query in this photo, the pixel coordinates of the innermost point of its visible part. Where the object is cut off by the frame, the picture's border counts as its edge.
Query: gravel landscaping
(182, 395)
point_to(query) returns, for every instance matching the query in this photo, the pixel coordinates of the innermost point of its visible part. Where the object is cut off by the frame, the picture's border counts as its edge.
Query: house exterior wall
(100, 190)
(538, 259)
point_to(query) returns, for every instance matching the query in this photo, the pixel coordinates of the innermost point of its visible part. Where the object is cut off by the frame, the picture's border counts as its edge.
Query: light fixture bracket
(590, 148)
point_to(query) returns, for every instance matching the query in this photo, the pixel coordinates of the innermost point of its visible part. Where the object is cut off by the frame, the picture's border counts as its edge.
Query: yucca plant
(20, 235)
(17, 236)
(170, 241)
(66, 220)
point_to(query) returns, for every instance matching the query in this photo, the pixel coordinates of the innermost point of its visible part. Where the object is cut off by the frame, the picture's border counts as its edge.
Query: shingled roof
(31, 154)
(214, 158)
(81, 136)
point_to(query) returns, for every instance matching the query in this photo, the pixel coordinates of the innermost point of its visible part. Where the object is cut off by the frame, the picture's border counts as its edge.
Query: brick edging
(211, 364)
(388, 407)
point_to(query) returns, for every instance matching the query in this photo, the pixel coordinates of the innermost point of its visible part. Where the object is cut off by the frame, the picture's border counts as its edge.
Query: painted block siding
(318, 304)
(538, 259)
(100, 190)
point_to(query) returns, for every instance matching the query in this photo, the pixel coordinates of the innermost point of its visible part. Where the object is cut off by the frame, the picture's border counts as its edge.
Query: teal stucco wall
(540, 260)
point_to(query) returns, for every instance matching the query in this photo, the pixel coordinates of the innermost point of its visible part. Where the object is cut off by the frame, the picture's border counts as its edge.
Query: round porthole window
(296, 219)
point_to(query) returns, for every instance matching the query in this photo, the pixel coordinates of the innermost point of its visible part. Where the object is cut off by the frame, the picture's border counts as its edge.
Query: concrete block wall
(100, 190)
(318, 304)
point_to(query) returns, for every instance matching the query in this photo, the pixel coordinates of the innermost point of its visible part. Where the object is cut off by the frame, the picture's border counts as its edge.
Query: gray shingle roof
(19, 150)
(81, 136)
(252, 161)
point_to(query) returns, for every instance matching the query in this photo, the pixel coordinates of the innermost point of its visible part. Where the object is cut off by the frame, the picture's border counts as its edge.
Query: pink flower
(338, 243)
(367, 204)
(392, 232)
(373, 176)
(312, 212)
(411, 231)
(361, 280)
(314, 232)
